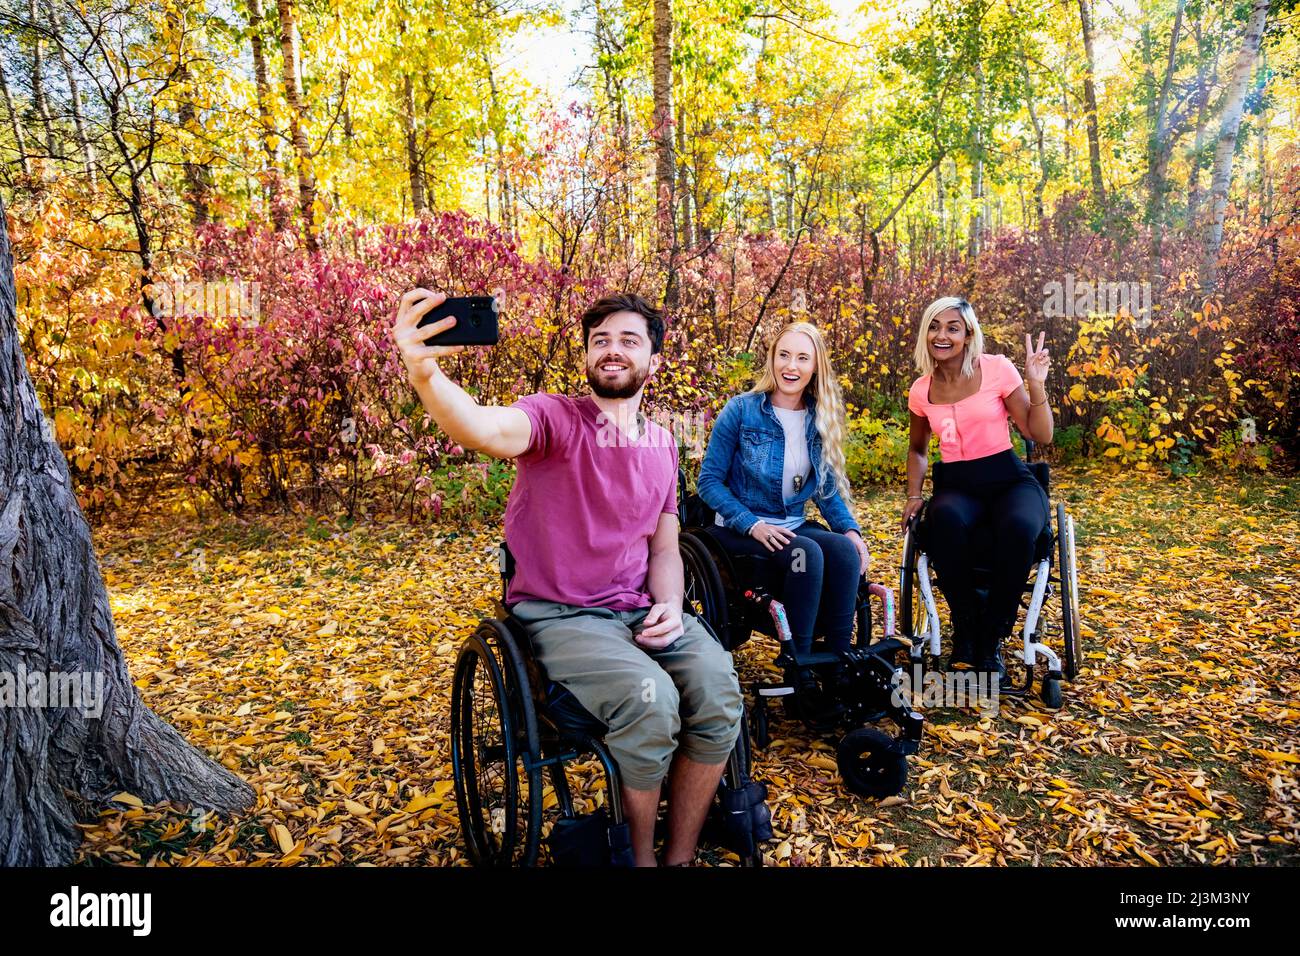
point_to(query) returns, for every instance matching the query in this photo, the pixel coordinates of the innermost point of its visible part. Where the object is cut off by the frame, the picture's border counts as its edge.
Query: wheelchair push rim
(911, 610)
(496, 782)
(703, 585)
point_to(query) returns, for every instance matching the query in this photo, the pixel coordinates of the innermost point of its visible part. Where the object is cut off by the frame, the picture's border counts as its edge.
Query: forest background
(214, 207)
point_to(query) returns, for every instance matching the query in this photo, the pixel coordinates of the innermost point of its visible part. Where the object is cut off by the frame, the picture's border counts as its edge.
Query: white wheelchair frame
(927, 641)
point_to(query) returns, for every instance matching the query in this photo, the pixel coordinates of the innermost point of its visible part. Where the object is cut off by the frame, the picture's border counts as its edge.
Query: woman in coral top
(964, 396)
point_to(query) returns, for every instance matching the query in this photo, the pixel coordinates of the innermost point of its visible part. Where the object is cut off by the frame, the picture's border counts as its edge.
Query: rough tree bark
(58, 764)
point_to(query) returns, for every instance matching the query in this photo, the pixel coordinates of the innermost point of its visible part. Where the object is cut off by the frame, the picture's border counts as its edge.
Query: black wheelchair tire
(869, 763)
(517, 845)
(1069, 593)
(1050, 694)
(703, 585)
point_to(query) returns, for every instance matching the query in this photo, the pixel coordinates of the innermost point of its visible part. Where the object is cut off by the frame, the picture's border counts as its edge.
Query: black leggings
(820, 581)
(1001, 489)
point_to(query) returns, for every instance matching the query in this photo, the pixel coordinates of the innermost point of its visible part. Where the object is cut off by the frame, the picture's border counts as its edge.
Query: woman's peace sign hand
(1037, 361)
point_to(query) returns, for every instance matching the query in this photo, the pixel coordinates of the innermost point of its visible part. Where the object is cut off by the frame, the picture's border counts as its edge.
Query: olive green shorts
(655, 702)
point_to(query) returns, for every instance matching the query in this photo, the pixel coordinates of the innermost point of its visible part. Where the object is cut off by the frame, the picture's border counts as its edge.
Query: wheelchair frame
(824, 691)
(498, 761)
(915, 576)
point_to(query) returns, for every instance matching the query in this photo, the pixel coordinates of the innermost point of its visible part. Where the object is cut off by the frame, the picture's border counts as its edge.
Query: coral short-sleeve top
(975, 426)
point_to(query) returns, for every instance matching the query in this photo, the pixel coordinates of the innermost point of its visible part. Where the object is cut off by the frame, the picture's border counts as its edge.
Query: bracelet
(915, 498)
(1033, 404)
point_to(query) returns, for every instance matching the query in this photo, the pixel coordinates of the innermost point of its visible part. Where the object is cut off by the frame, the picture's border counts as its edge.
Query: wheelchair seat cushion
(569, 715)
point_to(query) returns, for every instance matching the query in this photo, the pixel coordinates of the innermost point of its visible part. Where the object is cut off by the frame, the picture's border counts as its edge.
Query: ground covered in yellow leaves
(315, 659)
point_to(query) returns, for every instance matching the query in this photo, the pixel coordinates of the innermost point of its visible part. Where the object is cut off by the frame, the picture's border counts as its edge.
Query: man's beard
(637, 377)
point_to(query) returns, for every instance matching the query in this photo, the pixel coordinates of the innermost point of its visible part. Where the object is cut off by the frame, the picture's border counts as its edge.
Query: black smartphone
(476, 321)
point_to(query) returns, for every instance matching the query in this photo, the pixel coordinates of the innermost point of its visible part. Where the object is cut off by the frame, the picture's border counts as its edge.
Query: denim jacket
(742, 468)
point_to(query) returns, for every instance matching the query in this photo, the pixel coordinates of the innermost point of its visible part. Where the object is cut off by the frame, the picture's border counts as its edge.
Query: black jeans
(1000, 494)
(819, 572)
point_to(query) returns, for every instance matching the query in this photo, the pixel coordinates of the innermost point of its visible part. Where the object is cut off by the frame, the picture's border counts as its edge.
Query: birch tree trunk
(74, 95)
(1221, 179)
(297, 134)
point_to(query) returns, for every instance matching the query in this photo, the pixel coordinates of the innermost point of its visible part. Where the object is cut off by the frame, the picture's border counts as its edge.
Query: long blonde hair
(974, 341)
(829, 417)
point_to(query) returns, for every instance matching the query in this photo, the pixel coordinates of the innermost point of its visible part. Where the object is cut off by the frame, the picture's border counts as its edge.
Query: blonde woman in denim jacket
(773, 449)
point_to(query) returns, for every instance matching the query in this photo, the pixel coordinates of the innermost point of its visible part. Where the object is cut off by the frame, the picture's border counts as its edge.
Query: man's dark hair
(602, 309)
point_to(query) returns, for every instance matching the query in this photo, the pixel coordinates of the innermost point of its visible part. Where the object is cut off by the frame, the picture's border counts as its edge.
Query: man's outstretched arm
(495, 430)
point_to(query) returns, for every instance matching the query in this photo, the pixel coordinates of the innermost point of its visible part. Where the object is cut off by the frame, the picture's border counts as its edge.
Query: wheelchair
(1054, 575)
(510, 725)
(826, 692)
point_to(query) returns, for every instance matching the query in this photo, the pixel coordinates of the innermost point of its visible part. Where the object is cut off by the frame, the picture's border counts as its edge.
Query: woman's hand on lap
(770, 536)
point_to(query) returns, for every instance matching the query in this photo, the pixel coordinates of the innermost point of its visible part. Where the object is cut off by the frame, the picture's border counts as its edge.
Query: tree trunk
(20, 142)
(665, 164)
(1160, 146)
(39, 101)
(1041, 186)
(293, 98)
(684, 190)
(975, 238)
(1203, 77)
(1234, 100)
(414, 168)
(198, 175)
(1090, 104)
(272, 179)
(1265, 178)
(57, 763)
(74, 95)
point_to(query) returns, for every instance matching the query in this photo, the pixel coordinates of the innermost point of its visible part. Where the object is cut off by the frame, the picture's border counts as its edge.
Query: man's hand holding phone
(421, 360)
(502, 432)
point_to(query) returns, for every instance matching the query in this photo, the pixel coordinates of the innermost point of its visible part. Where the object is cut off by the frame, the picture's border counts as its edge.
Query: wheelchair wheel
(911, 604)
(1069, 591)
(494, 736)
(703, 584)
(762, 735)
(869, 763)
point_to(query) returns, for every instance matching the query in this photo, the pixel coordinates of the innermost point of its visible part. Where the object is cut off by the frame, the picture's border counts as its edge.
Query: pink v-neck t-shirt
(585, 503)
(976, 426)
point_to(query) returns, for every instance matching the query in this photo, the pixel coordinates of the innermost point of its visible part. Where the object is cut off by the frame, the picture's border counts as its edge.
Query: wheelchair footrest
(589, 839)
(811, 659)
(746, 819)
(886, 645)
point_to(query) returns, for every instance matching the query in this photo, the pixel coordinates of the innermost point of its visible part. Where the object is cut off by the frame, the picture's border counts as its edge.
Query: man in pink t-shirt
(598, 583)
